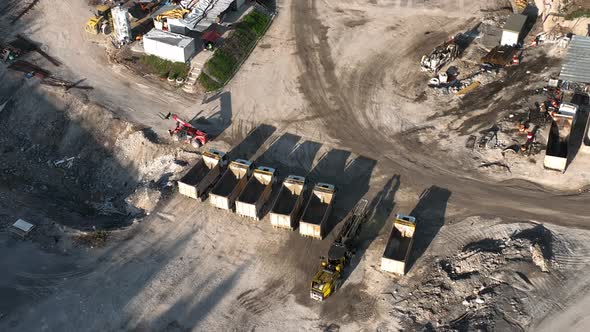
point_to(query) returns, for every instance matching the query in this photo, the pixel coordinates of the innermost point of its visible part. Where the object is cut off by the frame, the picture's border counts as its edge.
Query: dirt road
(337, 85)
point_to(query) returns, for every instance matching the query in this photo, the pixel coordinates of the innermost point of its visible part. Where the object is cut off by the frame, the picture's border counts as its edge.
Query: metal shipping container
(317, 211)
(203, 175)
(231, 184)
(256, 193)
(286, 208)
(399, 245)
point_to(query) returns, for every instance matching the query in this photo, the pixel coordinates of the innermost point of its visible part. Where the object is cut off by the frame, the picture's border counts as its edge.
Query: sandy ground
(333, 92)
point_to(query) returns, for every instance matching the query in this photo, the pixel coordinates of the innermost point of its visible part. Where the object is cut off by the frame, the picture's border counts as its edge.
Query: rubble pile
(482, 286)
(80, 161)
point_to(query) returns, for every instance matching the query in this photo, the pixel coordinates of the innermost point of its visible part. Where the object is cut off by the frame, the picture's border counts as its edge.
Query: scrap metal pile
(441, 55)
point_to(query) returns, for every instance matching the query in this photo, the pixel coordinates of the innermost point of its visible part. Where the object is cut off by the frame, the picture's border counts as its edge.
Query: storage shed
(169, 46)
(513, 29)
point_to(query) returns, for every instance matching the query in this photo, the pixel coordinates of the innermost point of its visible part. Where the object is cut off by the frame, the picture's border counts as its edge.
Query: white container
(169, 46)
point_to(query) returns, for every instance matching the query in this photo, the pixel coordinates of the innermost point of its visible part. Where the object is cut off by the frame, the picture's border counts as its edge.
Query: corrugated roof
(205, 13)
(515, 23)
(576, 67)
(169, 38)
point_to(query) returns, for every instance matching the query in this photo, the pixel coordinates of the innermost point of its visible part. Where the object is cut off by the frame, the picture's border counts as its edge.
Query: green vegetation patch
(165, 68)
(578, 13)
(226, 60)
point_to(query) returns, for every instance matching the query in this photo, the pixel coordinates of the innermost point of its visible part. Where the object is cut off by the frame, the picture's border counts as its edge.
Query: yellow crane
(161, 21)
(102, 17)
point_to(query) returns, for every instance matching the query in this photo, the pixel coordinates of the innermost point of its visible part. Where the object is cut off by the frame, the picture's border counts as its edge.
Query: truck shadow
(430, 217)
(378, 212)
(274, 157)
(578, 127)
(217, 123)
(351, 179)
(247, 148)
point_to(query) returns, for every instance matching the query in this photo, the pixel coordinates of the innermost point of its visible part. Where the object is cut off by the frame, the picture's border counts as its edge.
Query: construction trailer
(256, 193)
(285, 211)
(318, 209)
(203, 175)
(556, 154)
(169, 46)
(232, 182)
(399, 245)
(513, 30)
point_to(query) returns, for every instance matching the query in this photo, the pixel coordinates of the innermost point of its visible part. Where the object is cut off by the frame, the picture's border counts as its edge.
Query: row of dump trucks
(238, 187)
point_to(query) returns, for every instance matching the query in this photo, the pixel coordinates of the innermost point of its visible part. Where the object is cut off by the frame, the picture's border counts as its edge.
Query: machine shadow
(255, 139)
(351, 179)
(378, 212)
(430, 217)
(217, 123)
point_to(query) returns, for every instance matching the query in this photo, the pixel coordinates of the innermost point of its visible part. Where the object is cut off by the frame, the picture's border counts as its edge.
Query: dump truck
(399, 245)
(203, 175)
(256, 193)
(286, 208)
(558, 139)
(317, 211)
(231, 184)
(329, 277)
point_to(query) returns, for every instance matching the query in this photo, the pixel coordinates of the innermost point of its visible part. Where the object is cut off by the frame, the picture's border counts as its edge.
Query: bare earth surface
(333, 92)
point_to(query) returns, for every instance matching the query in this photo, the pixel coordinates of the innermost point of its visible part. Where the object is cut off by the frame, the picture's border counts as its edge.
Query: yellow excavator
(100, 22)
(161, 21)
(329, 277)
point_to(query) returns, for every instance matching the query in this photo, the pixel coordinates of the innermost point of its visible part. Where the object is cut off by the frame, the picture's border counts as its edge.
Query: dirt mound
(78, 164)
(487, 284)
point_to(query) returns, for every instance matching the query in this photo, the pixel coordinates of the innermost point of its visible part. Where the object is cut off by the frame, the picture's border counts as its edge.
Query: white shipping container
(393, 266)
(307, 229)
(555, 163)
(169, 46)
(509, 38)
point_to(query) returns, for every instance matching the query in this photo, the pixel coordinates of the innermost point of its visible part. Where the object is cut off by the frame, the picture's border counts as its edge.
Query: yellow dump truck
(399, 245)
(286, 208)
(318, 209)
(231, 184)
(257, 192)
(203, 175)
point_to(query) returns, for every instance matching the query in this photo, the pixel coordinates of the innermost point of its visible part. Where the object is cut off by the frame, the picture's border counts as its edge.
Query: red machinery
(186, 131)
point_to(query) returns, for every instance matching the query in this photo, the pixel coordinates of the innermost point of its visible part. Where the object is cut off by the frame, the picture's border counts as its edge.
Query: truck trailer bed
(196, 174)
(225, 186)
(397, 246)
(285, 202)
(315, 211)
(557, 143)
(252, 192)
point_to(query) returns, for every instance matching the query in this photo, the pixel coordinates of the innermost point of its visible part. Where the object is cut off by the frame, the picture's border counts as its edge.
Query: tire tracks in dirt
(331, 101)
